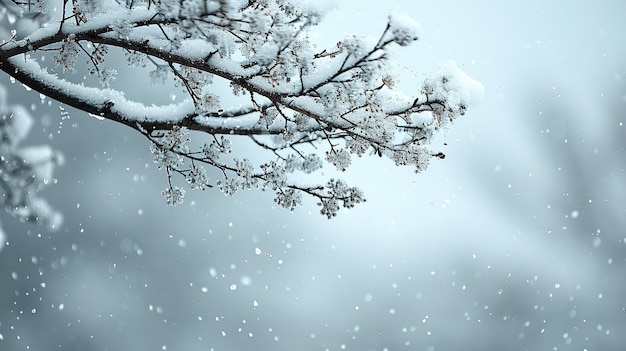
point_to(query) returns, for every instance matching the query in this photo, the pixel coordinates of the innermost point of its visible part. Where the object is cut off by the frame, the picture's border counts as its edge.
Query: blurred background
(516, 241)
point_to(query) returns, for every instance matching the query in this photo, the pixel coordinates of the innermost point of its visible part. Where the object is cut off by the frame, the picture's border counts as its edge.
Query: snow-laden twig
(305, 103)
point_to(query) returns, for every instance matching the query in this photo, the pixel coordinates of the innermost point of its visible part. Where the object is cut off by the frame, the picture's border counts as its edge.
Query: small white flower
(341, 159)
(174, 195)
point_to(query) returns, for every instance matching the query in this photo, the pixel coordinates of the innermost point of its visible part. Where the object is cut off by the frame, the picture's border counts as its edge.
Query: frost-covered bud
(165, 158)
(412, 155)
(389, 81)
(422, 160)
(107, 75)
(228, 186)
(355, 196)
(289, 198)
(136, 59)
(195, 79)
(176, 139)
(292, 163)
(216, 148)
(266, 54)
(269, 116)
(274, 175)
(330, 207)
(288, 135)
(337, 187)
(455, 91)
(404, 29)
(353, 45)
(226, 145)
(244, 167)
(341, 159)
(208, 103)
(174, 195)
(68, 54)
(211, 151)
(245, 171)
(357, 145)
(237, 89)
(303, 122)
(197, 177)
(311, 163)
(258, 22)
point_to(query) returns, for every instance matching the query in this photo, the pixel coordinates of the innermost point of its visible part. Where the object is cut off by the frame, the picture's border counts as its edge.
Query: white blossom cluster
(340, 159)
(172, 153)
(306, 163)
(68, 54)
(338, 192)
(404, 30)
(416, 155)
(169, 154)
(454, 89)
(213, 150)
(307, 106)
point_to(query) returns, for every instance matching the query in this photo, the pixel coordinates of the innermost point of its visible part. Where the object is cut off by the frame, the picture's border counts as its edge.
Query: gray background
(516, 241)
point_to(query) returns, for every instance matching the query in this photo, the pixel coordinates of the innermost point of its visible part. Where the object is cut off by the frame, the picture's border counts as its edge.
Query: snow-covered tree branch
(303, 105)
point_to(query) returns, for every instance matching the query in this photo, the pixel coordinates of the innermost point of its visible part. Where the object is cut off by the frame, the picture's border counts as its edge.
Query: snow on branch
(305, 106)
